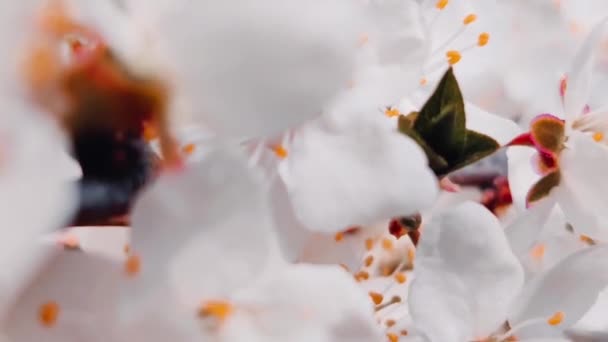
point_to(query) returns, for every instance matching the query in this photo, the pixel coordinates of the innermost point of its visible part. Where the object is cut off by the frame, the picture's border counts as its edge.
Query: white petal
(110, 242)
(582, 188)
(521, 173)
(253, 68)
(85, 289)
(500, 129)
(466, 275)
(581, 72)
(355, 173)
(307, 298)
(208, 225)
(526, 229)
(571, 287)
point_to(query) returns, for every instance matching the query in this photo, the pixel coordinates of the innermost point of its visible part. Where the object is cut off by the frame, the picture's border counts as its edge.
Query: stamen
(220, 310)
(387, 244)
(392, 112)
(563, 86)
(48, 313)
(411, 254)
(469, 19)
(598, 136)
(150, 132)
(369, 244)
(538, 252)
(280, 151)
(423, 81)
(453, 57)
(133, 265)
(556, 319)
(189, 149)
(483, 39)
(369, 260)
(586, 239)
(441, 4)
(394, 300)
(70, 242)
(404, 332)
(390, 323)
(339, 237)
(376, 297)
(392, 337)
(401, 278)
(361, 275)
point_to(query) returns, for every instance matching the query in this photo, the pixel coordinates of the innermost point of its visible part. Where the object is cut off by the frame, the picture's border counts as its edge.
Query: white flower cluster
(311, 182)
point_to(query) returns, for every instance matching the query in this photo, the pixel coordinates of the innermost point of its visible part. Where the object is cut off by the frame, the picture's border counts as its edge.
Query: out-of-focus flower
(202, 247)
(248, 69)
(36, 195)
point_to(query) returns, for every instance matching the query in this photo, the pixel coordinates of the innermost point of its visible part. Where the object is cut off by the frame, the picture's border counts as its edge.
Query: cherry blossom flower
(566, 150)
(203, 247)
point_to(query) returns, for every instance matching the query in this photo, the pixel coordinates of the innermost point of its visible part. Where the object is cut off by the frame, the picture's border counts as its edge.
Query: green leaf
(441, 121)
(477, 147)
(440, 129)
(436, 162)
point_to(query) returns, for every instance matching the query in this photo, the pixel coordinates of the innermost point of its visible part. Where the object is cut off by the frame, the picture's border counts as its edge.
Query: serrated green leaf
(436, 162)
(440, 129)
(477, 147)
(441, 121)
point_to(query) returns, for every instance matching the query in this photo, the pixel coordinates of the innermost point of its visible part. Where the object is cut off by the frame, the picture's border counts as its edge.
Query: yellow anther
(556, 319)
(48, 313)
(361, 275)
(441, 4)
(563, 85)
(400, 278)
(423, 81)
(386, 270)
(339, 237)
(133, 265)
(376, 297)
(392, 337)
(189, 149)
(483, 39)
(390, 323)
(538, 252)
(369, 260)
(586, 239)
(217, 309)
(280, 151)
(369, 244)
(469, 19)
(598, 136)
(70, 242)
(453, 56)
(411, 254)
(150, 131)
(392, 112)
(387, 244)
